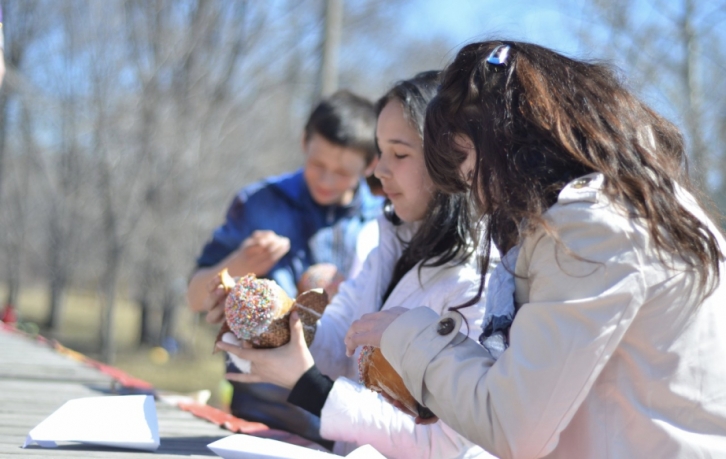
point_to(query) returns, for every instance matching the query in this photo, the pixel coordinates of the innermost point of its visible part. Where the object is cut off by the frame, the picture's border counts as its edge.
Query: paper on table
(126, 421)
(241, 446)
(365, 452)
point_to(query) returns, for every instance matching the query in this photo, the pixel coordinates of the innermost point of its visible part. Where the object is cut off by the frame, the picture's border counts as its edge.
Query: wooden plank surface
(22, 359)
(35, 380)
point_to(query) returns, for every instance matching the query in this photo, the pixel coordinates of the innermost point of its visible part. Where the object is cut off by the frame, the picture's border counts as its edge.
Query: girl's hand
(369, 329)
(282, 366)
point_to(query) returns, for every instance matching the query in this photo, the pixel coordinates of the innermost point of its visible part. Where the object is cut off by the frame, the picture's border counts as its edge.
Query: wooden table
(36, 379)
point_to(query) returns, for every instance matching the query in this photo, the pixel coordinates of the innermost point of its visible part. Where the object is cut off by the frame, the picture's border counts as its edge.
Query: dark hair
(447, 233)
(543, 119)
(345, 119)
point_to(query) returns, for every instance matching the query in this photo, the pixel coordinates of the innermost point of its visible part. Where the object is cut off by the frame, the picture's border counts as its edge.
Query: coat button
(581, 182)
(445, 326)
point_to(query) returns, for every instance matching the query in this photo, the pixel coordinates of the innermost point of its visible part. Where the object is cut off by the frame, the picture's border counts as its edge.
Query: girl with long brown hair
(612, 269)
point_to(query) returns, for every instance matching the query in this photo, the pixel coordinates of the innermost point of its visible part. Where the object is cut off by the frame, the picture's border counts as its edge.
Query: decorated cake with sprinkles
(253, 304)
(258, 311)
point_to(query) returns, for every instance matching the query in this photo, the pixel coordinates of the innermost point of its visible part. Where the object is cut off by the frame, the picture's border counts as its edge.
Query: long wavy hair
(446, 233)
(540, 119)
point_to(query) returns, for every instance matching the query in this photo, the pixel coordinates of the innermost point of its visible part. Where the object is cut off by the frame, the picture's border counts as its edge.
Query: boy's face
(331, 171)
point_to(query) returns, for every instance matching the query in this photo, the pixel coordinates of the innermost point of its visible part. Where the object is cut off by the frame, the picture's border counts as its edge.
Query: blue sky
(546, 22)
(555, 24)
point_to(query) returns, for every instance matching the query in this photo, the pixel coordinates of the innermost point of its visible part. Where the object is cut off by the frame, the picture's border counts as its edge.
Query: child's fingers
(266, 250)
(216, 314)
(215, 296)
(369, 329)
(214, 283)
(239, 351)
(274, 246)
(356, 336)
(296, 328)
(280, 248)
(263, 238)
(269, 240)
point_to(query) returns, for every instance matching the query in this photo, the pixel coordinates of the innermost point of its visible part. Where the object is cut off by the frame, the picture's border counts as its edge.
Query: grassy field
(192, 370)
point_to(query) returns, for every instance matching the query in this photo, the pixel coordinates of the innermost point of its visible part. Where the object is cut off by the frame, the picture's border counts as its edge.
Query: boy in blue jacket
(282, 225)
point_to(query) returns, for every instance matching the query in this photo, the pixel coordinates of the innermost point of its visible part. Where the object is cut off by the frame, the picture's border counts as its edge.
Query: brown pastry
(378, 375)
(258, 311)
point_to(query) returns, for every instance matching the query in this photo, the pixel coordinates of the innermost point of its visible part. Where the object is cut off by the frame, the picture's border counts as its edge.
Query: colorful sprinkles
(251, 306)
(365, 355)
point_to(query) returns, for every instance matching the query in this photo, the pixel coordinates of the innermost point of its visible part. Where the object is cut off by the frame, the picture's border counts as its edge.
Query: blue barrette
(499, 55)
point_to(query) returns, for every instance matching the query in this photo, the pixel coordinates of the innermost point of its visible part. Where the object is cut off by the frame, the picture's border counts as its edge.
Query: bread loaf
(378, 375)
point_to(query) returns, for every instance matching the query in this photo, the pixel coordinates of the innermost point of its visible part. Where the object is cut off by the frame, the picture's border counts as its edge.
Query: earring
(470, 175)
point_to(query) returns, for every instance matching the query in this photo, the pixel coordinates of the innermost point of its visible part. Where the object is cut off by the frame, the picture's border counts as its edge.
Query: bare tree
(26, 21)
(65, 170)
(16, 204)
(671, 51)
(119, 168)
(128, 126)
(201, 89)
(333, 20)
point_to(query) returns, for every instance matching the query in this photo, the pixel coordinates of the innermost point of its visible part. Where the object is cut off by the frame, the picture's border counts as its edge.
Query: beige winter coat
(613, 354)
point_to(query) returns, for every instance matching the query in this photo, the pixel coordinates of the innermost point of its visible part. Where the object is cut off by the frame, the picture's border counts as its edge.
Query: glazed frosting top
(252, 305)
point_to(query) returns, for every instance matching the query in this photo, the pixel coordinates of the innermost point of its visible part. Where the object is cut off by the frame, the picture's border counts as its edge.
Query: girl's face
(401, 167)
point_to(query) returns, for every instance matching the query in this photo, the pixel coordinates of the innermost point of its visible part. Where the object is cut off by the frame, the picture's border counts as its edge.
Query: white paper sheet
(241, 446)
(365, 452)
(126, 421)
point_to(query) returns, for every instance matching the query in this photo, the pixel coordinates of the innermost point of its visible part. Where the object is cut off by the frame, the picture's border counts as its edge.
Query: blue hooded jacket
(283, 204)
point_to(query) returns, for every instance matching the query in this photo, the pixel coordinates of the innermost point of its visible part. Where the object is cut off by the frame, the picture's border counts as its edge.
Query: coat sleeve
(584, 292)
(355, 414)
(328, 348)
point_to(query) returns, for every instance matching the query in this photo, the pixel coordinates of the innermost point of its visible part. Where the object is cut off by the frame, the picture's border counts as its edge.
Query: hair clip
(499, 55)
